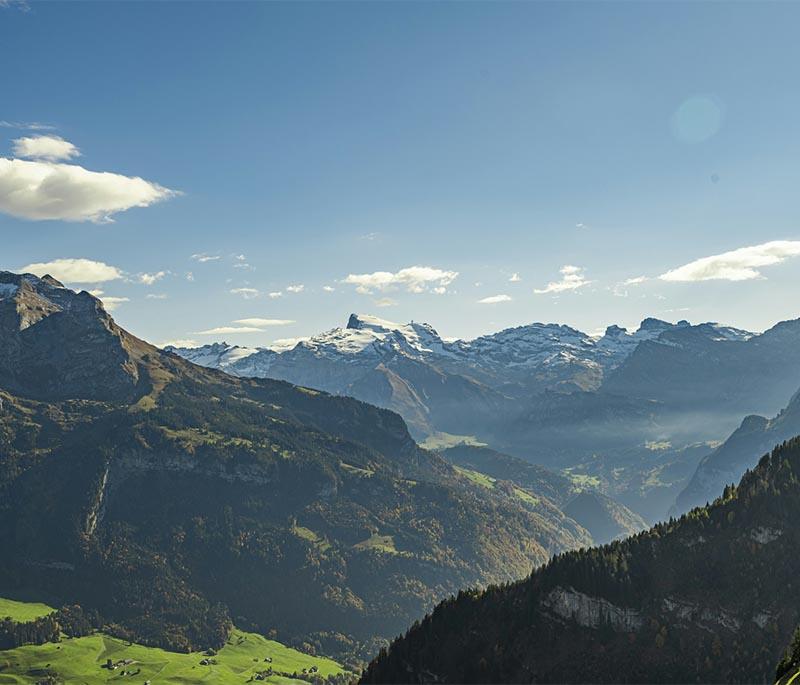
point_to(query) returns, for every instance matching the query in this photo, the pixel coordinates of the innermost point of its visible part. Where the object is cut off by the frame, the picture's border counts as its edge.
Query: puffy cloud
(43, 189)
(202, 257)
(328, 288)
(515, 278)
(415, 279)
(299, 288)
(109, 301)
(495, 299)
(261, 323)
(150, 279)
(222, 330)
(275, 295)
(737, 265)
(572, 278)
(48, 148)
(75, 270)
(246, 293)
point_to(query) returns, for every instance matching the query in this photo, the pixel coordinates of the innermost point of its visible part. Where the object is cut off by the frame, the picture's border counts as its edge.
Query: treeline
(72, 621)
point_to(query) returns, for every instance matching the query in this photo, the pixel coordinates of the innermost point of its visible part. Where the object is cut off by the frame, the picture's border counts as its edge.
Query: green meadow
(23, 612)
(83, 660)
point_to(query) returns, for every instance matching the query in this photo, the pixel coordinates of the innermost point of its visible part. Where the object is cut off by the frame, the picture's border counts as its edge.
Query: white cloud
(581, 225)
(275, 295)
(415, 279)
(25, 125)
(244, 265)
(263, 322)
(189, 276)
(48, 148)
(246, 293)
(299, 288)
(621, 288)
(156, 296)
(515, 278)
(202, 257)
(150, 279)
(328, 288)
(572, 278)
(75, 270)
(737, 265)
(180, 342)
(46, 190)
(283, 344)
(240, 257)
(635, 281)
(495, 299)
(221, 330)
(110, 303)
(385, 302)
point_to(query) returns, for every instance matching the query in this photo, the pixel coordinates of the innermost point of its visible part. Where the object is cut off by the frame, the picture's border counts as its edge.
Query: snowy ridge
(368, 340)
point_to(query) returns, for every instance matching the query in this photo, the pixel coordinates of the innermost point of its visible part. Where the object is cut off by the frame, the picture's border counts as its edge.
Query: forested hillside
(711, 597)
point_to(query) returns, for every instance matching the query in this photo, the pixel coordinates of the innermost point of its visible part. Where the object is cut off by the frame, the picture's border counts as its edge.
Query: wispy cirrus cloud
(202, 257)
(263, 323)
(415, 279)
(743, 264)
(75, 270)
(246, 293)
(572, 278)
(26, 125)
(226, 330)
(495, 299)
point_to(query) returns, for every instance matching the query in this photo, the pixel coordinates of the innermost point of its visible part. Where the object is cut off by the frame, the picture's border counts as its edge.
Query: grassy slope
(79, 660)
(23, 612)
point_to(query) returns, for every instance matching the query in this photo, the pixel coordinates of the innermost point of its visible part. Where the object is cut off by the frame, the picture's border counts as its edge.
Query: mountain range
(172, 498)
(632, 412)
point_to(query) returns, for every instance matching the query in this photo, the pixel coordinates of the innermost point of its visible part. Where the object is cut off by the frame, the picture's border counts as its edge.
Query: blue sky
(308, 143)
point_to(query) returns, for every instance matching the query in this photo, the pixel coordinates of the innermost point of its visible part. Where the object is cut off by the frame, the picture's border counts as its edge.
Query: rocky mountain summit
(435, 383)
(59, 344)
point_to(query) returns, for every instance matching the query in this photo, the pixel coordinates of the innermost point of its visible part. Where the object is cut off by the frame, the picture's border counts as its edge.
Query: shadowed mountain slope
(712, 597)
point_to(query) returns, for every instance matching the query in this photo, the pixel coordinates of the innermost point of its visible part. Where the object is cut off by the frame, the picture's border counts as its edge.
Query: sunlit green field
(22, 612)
(83, 660)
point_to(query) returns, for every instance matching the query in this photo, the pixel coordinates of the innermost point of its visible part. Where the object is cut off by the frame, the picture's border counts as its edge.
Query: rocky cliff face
(55, 343)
